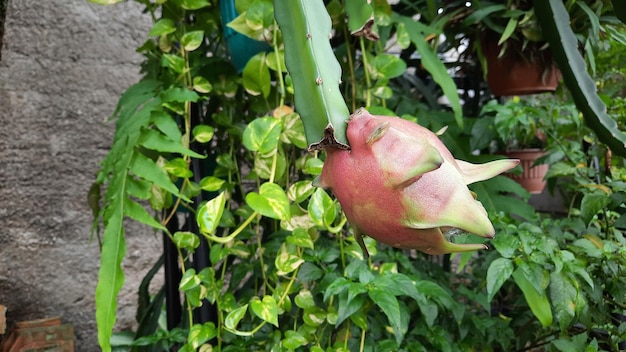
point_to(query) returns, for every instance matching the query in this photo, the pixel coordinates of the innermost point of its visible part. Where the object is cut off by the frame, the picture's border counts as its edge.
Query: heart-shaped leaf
(266, 309)
(271, 201)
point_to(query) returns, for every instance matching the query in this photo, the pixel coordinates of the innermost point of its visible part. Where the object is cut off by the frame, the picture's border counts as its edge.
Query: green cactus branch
(306, 28)
(554, 20)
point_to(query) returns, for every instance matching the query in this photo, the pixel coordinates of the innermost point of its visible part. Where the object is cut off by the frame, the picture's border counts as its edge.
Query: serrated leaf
(271, 201)
(154, 140)
(498, 273)
(174, 62)
(166, 124)
(139, 213)
(179, 95)
(266, 309)
(143, 167)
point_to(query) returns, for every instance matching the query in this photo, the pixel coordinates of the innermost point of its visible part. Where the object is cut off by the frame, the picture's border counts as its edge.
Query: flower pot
(532, 178)
(511, 75)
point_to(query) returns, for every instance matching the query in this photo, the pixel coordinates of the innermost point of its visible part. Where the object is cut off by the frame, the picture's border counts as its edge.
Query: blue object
(240, 47)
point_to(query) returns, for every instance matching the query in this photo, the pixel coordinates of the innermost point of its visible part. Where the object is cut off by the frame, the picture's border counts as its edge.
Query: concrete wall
(64, 64)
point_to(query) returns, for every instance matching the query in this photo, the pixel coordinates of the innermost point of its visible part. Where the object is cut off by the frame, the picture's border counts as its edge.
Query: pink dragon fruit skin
(400, 185)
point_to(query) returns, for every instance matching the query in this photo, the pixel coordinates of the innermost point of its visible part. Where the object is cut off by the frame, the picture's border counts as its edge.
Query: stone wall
(64, 64)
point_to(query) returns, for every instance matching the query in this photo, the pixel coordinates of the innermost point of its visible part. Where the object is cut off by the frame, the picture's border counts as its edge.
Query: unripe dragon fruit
(400, 185)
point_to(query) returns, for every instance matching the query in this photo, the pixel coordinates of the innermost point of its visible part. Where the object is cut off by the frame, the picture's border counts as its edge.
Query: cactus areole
(400, 185)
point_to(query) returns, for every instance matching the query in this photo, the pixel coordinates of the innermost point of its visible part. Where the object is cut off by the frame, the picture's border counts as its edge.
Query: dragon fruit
(400, 185)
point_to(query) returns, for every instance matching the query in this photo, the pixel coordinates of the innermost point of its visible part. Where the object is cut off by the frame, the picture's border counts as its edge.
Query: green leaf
(287, 262)
(202, 85)
(508, 30)
(554, 20)
(133, 111)
(178, 167)
(435, 67)
(506, 244)
(193, 4)
(166, 124)
(139, 213)
(262, 135)
(189, 280)
(186, 240)
(499, 271)
(192, 40)
(563, 295)
(259, 15)
(322, 209)
(271, 201)
(387, 66)
(266, 309)
(154, 140)
(300, 237)
(162, 26)
(592, 204)
(211, 183)
(179, 94)
(304, 299)
(256, 76)
(403, 38)
(538, 302)
(143, 167)
(203, 133)
(293, 340)
(234, 317)
(300, 191)
(210, 213)
(174, 62)
(276, 62)
(388, 303)
(201, 333)
(314, 316)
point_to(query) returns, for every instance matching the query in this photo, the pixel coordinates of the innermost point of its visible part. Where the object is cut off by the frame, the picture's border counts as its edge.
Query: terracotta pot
(509, 75)
(532, 177)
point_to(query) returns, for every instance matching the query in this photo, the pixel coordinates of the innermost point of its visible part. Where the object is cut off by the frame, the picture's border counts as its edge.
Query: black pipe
(172, 277)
